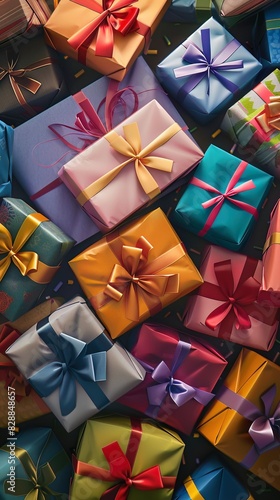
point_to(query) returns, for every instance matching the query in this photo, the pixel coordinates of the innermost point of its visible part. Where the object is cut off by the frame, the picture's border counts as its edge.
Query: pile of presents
(96, 167)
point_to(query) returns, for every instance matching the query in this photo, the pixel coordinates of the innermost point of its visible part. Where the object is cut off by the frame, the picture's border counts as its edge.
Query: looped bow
(270, 118)
(202, 65)
(265, 429)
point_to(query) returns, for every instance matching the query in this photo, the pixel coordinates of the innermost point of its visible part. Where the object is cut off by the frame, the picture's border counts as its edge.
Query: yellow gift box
(243, 420)
(133, 272)
(127, 457)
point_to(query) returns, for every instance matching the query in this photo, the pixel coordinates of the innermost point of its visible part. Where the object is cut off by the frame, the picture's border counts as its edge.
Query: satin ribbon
(18, 78)
(76, 362)
(27, 262)
(192, 490)
(270, 118)
(201, 64)
(130, 146)
(231, 191)
(273, 239)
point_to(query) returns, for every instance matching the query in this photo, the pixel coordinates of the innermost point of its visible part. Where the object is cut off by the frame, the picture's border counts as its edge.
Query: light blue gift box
(208, 72)
(222, 200)
(6, 149)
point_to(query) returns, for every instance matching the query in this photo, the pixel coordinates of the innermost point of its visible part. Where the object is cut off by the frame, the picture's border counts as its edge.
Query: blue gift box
(207, 73)
(268, 37)
(6, 150)
(222, 200)
(212, 481)
(33, 462)
(181, 11)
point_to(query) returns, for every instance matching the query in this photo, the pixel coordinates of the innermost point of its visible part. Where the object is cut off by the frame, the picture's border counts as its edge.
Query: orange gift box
(270, 287)
(243, 420)
(105, 35)
(133, 272)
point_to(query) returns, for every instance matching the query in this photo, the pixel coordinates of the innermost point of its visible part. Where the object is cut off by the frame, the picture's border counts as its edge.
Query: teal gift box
(34, 465)
(222, 200)
(212, 480)
(6, 149)
(31, 250)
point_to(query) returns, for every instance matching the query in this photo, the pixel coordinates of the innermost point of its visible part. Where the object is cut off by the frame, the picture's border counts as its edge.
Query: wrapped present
(31, 249)
(243, 420)
(119, 457)
(211, 479)
(222, 200)
(43, 142)
(129, 166)
(231, 12)
(34, 465)
(72, 364)
(107, 36)
(6, 159)
(267, 37)
(227, 304)
(30, 80)
(208, 71)
(181, 373)
(20, 17)
(252, 124)
(270, 287)
(135, 271)
(181, 11)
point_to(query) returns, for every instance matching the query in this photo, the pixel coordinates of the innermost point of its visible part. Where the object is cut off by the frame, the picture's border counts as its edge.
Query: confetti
(80, 73)
(70, 282)
(58, 286)
(167, 314)
(215, 134)
(233, 148)
(264, 203)
(167, 40)
(195, 251)
(193, 129)
(258, 248)
(152, 52)
(275, 357)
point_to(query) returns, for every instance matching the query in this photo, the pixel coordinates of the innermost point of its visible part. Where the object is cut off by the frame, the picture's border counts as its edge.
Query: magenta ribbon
(231, 191)
(201, 64)
(265, 427)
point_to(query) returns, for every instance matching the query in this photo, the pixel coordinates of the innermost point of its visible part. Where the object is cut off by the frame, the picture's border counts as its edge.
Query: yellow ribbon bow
(130, 146)
(270, 118)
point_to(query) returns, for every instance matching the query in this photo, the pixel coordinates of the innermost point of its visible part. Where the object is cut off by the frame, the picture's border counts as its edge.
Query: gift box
(208, 71)
(242, 421)
(6, 159)
(252, 124)
(30, 80)
(43, 142)
(28, 404)
(119, 457)
(231, 12)
(227, 305)
(31, 249)
(221, 202)
(135, 271)
(267, 37)
(97, 371)
(129, 166)
(270, 287)
(181, 11)
(20, 17)
(212, 479)
(181, 373)
(127, 30)
(35, 465)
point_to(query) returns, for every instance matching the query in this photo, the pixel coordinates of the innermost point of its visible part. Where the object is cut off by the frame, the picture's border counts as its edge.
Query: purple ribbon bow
(201, 64)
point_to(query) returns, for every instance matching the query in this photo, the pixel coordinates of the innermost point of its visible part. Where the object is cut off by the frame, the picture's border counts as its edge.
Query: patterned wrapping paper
(135, 271)
(243, 420)
(39, 247)
(19, 17)
(6, 159)
(204, 92)
(182, 372)
(267, 40)
(270, 287)
(97, 371)
(252, 124)
(35, 465)
(147, 459)
(99, 42)
(131, 165)
(222, 200)
(227, 305)
(212, 480)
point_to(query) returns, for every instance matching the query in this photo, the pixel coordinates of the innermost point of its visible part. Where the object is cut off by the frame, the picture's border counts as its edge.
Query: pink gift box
(110, 191)
(227, 304)
(270, 287)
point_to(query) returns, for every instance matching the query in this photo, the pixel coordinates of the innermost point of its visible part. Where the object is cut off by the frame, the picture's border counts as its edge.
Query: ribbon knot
(269, 119)
(265, 429)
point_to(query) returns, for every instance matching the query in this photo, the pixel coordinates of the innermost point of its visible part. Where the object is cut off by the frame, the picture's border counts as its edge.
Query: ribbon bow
(130, 146)
(270, 118)
(202, 65)
(118, 15)
(75, 363)
(265, 429)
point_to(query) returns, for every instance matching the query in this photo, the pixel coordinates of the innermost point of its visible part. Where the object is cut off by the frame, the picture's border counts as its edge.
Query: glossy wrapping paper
(39, 247)
(226, 274)
(141, 447)
(181, 11)
(116, 371)
(147, 245)
(252, 385)
(27, 15)
(252, 124)
(239, 7)
(39, 153)
(6, 159)
(212, 480)
(204, 96)
(111, 183)
(175, 363)
(125, 47)
(270, 290)
(267, 37)
(42, 467)
(222, 200)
